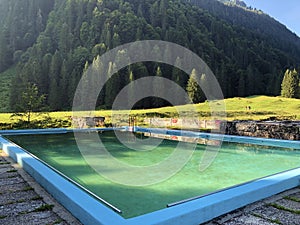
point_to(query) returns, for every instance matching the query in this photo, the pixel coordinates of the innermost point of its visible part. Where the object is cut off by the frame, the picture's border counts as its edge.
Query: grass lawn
(262, 107)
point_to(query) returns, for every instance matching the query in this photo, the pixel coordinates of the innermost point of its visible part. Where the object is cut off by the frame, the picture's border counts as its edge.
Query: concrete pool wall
(90, 211)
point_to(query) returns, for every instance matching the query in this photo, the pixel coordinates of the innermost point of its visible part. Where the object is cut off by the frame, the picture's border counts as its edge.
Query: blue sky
(285, 11)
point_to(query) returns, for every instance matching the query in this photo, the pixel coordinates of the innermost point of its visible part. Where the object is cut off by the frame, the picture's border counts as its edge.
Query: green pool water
(234, 164)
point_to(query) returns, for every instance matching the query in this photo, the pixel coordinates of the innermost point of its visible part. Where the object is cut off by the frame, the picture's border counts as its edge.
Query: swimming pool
(235, 164)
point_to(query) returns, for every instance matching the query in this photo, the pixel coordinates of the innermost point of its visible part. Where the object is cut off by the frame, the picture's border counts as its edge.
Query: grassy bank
(261, 108)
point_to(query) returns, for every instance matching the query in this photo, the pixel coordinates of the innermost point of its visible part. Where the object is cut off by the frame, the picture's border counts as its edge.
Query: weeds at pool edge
(43, 208)
(292, 198)
(28, 188)
(268, 219)
(280, 207)
(58, 221)
(36, 198)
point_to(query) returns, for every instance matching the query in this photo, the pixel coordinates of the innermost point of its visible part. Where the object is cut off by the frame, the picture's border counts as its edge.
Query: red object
(174, 120)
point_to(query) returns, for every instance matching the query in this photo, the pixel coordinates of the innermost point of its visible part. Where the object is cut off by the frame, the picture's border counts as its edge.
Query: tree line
(66, 36)
(290, 86)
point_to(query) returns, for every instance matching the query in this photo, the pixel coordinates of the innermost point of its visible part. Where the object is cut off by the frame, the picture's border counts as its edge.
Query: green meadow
(261, 108)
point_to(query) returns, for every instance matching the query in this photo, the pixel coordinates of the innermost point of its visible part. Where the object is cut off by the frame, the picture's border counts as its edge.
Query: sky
(285, 11)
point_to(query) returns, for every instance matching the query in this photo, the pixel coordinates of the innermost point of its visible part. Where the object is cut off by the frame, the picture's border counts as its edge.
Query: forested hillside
(52, 41)
(21, 23)
(259, 23)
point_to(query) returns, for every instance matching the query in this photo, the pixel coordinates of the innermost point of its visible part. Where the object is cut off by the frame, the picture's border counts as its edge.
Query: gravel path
(281, 209)
(23, 201)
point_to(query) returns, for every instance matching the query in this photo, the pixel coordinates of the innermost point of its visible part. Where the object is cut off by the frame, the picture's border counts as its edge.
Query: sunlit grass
(262, 107)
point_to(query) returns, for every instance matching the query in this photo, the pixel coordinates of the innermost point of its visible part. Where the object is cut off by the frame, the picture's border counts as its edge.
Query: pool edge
(84, 207)
(214, 205)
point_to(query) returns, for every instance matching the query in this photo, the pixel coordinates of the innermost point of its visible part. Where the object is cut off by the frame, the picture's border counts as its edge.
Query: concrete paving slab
(296, 195)
(18, 196)
(277, 215)
(23, 201)
(14, 209)
(14, 180)
(14, 187)
(289, 204)
(35, 218)
(248, 220)
(9, 175)
(278, 209)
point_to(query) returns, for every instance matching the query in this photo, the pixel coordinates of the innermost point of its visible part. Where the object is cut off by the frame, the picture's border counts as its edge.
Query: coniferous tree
(242, 86)
(100, 72)
(290, 84)
(193, 89)
(177, 74)
(5, 51)
(112, 86)
(116, 40)
(54, 75)
(64, 85)
(158, 88)
(131, 92)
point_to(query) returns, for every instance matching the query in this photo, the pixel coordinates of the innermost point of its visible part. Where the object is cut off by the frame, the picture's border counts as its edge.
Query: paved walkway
(23, 201)
(281, 209)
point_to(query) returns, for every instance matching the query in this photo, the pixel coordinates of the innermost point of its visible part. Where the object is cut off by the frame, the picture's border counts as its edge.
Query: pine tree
(177, 75)
(290, 84)
(193, 89)
(54, 76)
(5, 52)
(242, 86)
(63, 83)
(100, 76)
(158, 88)
(163, 13)
(112, 86)
(131, 92)
(116, 40)
(84, 34)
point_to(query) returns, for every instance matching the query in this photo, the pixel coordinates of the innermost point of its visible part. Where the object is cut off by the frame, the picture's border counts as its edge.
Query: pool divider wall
(221, 137)
(55, 131)
(84, 207)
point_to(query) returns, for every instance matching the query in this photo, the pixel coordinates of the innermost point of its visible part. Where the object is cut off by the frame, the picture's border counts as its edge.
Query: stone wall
(85, 122)
(288, 130)
(186, 123)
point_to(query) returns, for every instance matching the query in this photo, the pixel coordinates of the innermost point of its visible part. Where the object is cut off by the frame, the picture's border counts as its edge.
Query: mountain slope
(238, 14)
(246, 57)
(21, 23)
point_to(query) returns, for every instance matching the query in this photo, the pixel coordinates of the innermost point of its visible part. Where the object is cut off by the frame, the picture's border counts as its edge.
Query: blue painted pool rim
(90, 211)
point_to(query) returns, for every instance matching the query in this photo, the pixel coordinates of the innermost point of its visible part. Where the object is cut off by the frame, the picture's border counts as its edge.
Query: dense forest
(51, 43)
